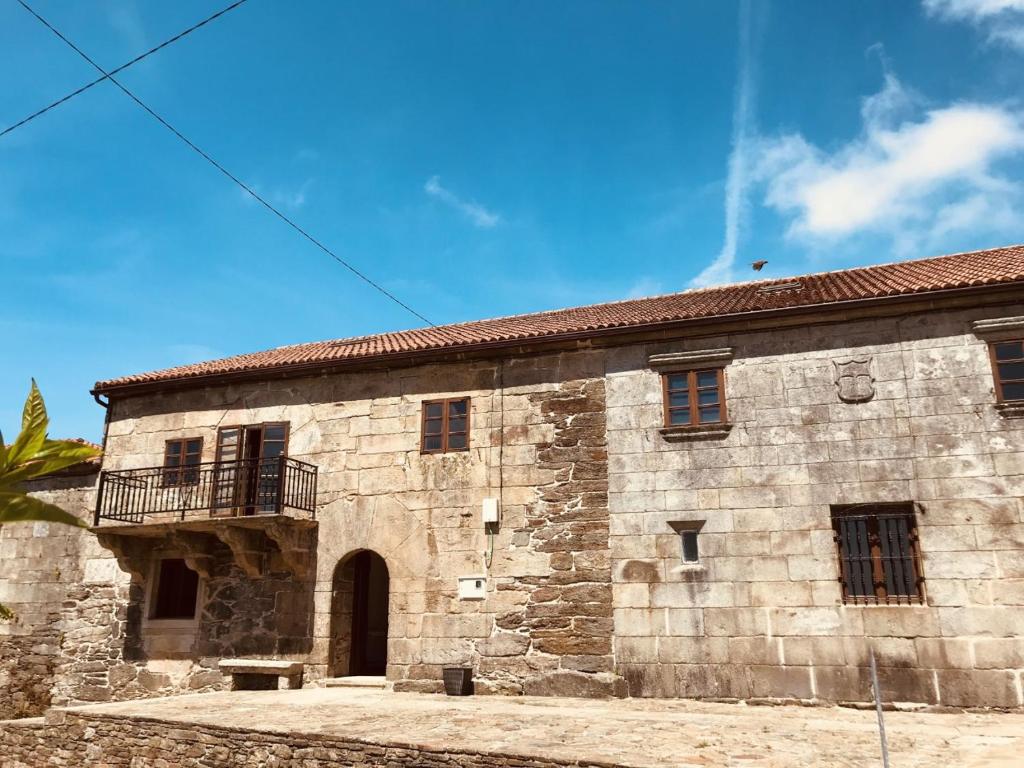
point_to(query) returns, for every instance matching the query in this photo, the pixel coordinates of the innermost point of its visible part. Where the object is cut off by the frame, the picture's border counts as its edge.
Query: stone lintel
(684, 361)
(999, 327)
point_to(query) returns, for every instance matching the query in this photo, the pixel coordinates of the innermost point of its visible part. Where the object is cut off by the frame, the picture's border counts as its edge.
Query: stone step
(357, 681)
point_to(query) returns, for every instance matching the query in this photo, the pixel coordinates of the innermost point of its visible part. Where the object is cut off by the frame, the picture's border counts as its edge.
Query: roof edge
(539, 342)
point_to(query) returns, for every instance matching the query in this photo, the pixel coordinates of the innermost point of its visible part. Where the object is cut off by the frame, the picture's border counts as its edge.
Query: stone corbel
(247, 548)
(296, 545)
(132, 553)
(687, 361)
(195, 551)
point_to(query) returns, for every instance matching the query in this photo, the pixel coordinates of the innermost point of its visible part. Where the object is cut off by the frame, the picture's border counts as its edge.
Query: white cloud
(738, 178)
(480, 216)
(912, 179)
(126, 19)
(293, 198)
(1001, 20)
(643, 287)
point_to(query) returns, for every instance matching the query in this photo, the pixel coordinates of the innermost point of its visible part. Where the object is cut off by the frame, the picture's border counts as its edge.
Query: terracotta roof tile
(977, 268)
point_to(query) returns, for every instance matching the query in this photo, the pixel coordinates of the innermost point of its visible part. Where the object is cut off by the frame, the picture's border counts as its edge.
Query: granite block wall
(586, 592)
(761, 614)
(537, 444)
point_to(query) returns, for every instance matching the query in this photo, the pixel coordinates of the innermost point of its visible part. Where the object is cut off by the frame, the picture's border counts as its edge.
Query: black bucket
(458, 681)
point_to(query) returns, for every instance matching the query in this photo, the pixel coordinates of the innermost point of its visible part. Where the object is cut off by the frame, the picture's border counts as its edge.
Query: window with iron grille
(879, 555)
(694, 397)
(178, 455)
(445, 425)
(1008, 366)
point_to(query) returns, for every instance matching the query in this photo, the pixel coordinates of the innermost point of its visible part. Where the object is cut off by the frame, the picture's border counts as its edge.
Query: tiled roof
(962, 270)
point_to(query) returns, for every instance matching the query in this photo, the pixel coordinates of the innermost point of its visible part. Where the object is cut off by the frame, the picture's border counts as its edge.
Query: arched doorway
(359, 616)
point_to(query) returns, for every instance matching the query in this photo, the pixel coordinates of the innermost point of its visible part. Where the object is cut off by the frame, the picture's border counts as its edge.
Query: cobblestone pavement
(632, 732)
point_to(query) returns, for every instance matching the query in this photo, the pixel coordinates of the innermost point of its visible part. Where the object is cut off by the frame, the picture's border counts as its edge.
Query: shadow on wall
(239, 616)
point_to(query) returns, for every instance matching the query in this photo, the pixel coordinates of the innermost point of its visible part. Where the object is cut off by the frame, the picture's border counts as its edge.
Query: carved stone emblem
(854, 381)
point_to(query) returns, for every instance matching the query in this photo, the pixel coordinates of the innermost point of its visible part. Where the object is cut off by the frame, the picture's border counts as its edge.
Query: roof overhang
(832, 312)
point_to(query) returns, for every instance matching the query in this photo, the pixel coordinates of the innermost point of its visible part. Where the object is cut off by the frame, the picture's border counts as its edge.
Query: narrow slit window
(445, 425)
(181, 458)
(690, 551)
(176, 591)
(1008, 367)
(694, 397)
(879, 555)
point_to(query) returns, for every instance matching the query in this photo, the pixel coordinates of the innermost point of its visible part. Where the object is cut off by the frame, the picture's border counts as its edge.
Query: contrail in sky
(743, 129)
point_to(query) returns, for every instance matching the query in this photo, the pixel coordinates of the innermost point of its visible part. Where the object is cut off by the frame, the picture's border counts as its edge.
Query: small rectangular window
(1008, 367)
(879, 557)
(694, 397)
(445, 425)
(187, 452)
(176, 590)
(690, 553)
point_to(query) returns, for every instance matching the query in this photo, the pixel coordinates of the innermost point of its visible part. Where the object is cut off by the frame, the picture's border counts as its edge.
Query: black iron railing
(211, 489)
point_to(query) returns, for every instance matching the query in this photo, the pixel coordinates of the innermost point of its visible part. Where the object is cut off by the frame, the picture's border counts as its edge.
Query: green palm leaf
(30, 456)
(18, 507)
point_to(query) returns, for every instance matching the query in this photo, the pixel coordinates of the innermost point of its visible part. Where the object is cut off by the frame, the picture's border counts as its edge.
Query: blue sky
(477, 159)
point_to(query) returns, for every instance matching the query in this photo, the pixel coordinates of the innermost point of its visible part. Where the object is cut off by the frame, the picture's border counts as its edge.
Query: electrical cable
(123, 67)
(222, 169)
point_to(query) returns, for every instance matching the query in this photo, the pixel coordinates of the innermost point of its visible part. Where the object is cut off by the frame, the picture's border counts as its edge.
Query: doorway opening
(359, 616)
(248, 468)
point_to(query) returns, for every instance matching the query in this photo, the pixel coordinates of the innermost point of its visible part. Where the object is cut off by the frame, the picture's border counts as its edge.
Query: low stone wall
(76, 741)
(39, 565)
(26, 673)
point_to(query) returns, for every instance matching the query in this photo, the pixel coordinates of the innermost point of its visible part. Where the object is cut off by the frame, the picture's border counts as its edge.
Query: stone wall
(79, 633)
(536, 444)
(40, 566)
(761, 615)
(584, 584)
(70, 741)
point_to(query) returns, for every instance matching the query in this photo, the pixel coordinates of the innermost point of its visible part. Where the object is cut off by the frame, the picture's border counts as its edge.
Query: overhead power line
(221, 168)
(123, 67)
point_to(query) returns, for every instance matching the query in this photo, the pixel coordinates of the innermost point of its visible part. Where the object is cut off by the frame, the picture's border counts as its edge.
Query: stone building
(729, 493)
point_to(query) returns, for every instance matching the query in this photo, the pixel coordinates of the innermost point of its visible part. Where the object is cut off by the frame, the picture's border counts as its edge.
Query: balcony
(254, 506)
(212, 489)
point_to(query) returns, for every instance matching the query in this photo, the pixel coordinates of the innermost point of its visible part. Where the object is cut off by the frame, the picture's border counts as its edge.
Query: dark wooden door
(369, 615)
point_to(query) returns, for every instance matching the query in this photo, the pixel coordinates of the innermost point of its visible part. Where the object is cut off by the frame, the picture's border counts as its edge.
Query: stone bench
(262, 674)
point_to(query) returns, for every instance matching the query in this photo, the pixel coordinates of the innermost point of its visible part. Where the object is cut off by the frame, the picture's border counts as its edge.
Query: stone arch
(360, 607)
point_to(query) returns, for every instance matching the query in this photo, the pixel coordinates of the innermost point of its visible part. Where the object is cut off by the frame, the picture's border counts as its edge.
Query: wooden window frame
(242, 480)
(692, 388)
(1000, 398)
(873, 513)
(175, 476)
(241, 443)
(445, 432)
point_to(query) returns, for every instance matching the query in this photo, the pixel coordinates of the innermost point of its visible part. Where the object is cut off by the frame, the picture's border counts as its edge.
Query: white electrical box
(490, 511)
(472, 587)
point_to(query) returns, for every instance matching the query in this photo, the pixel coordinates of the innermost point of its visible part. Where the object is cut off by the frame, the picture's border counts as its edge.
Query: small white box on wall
(490, 511)
(472, 587)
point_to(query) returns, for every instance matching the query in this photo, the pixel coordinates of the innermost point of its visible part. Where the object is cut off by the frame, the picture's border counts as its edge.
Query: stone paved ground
(631, 732)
